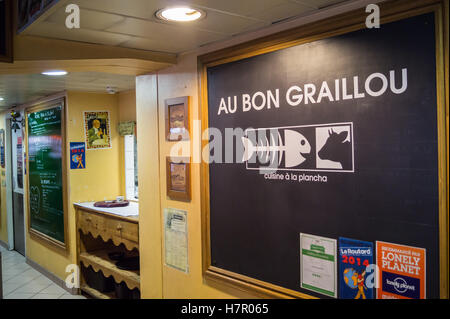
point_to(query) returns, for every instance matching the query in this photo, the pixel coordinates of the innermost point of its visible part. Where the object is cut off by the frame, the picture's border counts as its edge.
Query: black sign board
(339, 139)
(5, 31)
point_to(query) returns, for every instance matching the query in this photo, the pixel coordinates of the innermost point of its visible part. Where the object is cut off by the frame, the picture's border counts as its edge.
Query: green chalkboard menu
(46, 187)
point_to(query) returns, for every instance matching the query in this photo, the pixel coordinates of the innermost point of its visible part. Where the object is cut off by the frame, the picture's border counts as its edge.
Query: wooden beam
(36, 54)
(31, 48)
(113, 66)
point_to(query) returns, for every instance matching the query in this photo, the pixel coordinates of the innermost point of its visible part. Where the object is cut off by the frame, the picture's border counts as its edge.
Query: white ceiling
(132, 23)
(20, 88)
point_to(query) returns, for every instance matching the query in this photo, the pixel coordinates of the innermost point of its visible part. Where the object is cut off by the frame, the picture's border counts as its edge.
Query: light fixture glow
(55, 73)
(180, 14)
(1, 99)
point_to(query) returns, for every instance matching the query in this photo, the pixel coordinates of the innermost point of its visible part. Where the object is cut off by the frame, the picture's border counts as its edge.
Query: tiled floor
(20, 281)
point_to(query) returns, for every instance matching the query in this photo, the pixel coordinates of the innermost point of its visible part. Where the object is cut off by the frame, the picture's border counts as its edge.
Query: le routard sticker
(356, 271)
(402, 271)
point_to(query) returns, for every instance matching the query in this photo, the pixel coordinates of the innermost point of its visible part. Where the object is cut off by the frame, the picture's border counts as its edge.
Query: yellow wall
(100, 180)
(127, 113)
(3, 221)
(158, 280)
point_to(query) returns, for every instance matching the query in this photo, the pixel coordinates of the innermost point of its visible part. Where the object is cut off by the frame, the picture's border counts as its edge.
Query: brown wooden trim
(134, 220)
(44, 104)
(177, 101)
(341, 24)
(173, 194)
(445, 263)
(442, 17)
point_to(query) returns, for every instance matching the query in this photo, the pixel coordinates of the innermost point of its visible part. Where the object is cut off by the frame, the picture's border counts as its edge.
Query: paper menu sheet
(175, 239)
(318, 264)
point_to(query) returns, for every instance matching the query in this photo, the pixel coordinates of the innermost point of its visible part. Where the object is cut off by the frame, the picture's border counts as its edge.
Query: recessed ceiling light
(1, 99)
(180, 14)
(55, 72)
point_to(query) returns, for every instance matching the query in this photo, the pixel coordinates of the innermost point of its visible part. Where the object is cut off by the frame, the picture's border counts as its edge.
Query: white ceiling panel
(244, 7)
(317, 4)
(224, 23)
(132, 23)
(21, 88)
(88, 19)
(135, 8)
(56, 31)
(162, 35)
(280, 12)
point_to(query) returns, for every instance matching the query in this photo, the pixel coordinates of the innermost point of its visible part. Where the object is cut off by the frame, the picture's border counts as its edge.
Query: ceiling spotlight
(54, 73)
(1, 99)
(180, 14)
(111, 90)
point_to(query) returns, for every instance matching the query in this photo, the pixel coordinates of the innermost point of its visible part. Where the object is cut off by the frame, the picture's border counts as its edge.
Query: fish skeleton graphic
(295, 144)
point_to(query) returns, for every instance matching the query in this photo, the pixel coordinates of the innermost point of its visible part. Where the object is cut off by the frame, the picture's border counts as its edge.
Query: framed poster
(338, 131)
(177, 119)
(47, 203)
(97, 130)
(6, 31)
(178, 175)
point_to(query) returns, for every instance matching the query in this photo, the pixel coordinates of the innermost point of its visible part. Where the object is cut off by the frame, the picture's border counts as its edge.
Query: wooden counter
(114, 225)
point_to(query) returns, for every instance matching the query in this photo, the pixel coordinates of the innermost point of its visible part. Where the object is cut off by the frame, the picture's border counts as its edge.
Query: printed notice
(402, 271)
(318, 264)
(175, 239)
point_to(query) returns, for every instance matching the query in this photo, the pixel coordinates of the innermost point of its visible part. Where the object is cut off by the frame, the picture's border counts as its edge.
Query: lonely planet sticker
(402, 271)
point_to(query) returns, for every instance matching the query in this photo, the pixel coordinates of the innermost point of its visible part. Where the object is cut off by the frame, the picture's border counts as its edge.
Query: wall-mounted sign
(77, 155)
(46, 176)
(355, 256)
(6, 32)
(19, 162)
(341, 136)
(97, 130)
(402, 271)
(29, 10)
(318, 264)
(175, 239)
(2, 148)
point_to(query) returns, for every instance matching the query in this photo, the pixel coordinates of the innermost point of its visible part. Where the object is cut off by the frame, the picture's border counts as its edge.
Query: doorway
(17, 156)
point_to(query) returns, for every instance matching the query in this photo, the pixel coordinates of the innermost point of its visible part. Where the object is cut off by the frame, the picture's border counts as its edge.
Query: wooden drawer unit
(94, 251)
(91, 222)
(121, 230)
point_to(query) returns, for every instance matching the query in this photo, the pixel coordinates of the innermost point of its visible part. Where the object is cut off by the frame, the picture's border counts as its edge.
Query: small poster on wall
(402, 271)
(2, 148)
(97, 130)
(356, 277)
(318, 268)
(175, 239)
(77, 155)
